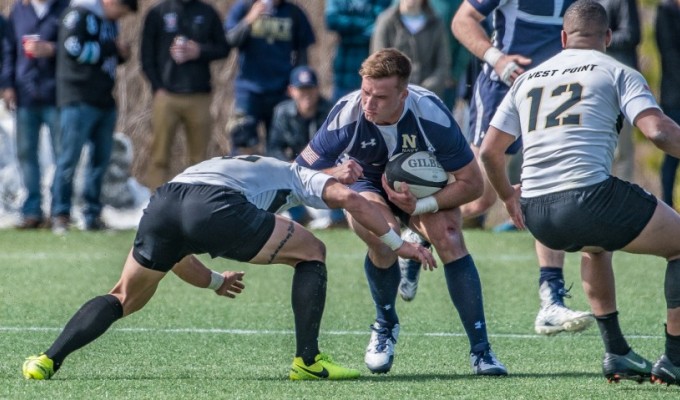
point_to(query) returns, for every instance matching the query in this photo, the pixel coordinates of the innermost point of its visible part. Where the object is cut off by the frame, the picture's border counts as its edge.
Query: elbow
(457, 26)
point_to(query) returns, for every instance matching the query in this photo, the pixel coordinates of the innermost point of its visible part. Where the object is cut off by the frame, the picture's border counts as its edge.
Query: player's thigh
(660, 236)
(444, 230)
(290, 243)
(136, 286)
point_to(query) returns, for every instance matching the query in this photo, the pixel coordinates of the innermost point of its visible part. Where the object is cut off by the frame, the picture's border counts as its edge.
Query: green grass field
(190, 344)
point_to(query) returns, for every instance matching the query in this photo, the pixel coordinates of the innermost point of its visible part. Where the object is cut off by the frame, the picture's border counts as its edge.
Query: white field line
(218, 331)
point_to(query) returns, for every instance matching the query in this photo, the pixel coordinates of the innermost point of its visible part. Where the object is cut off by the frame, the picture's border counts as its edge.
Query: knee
(316, 250)
(130, 304)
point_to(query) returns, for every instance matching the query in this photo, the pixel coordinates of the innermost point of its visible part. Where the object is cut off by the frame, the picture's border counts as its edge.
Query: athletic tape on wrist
(492, 55)
(508, 71)
(392, 239)
(216, 280)
(426, 205)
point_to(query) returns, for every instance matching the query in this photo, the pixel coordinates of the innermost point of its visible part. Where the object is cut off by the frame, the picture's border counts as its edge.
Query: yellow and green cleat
(38, 367)
(323, 368)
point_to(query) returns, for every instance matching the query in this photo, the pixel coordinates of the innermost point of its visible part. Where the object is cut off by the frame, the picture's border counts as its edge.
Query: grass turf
(190, 344)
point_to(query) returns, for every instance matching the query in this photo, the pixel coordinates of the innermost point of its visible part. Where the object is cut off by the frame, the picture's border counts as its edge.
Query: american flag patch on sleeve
(309, 155)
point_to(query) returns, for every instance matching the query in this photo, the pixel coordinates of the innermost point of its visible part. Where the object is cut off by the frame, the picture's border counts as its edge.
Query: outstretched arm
(191, 270)
(337, 195)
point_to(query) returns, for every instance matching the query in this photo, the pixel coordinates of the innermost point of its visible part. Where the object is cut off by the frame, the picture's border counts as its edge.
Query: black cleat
(630, 366)
(664, 371)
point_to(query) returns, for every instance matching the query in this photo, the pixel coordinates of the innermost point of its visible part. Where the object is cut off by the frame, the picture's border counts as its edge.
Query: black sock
(308, 299)
(613, 339)
(673, 348)
(86, 325)
(465, 289)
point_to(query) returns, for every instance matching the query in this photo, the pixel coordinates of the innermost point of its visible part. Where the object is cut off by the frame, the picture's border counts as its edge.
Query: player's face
(382, 100)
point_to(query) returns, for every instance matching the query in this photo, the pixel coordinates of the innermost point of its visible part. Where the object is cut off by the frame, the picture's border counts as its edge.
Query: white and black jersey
(568, 112)
(266, 182)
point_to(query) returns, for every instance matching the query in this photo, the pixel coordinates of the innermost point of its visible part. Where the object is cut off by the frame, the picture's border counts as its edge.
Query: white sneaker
(556, 318)
(486, 363)
(410, 269)
(380, 350)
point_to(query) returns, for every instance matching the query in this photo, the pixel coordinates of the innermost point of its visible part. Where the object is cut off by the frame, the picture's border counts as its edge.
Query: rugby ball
(420, 170)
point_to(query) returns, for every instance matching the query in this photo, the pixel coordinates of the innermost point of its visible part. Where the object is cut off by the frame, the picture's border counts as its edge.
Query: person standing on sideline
(525, 34)
(180, 39)
(388, 116)
(28, 84)
(411, 27)
(353, 22)
(624, 21)
(272, 37)
(568, 111)
(88, 53)
(668, 42)
(225, 207)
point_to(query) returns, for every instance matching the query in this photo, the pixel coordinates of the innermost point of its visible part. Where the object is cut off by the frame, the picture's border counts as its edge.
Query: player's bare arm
(492, 154)
(466, 27)
(660, 129)
(347, 173)
(191, 270)
(337, 195)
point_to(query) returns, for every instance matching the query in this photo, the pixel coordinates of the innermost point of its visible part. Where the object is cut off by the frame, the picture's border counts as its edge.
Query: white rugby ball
(420, 170)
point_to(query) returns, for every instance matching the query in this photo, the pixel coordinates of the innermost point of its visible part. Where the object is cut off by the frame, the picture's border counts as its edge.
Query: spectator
(89, 52)
(667, 36)
(29, 87)
(353, 21)
(272, 37)
(179, 40)
(412, 27)
(295, 122)
(297, 119)
(624, 22)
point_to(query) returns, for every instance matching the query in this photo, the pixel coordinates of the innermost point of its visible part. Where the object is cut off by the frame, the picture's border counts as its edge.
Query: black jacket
(290, 133)
(194, 20)
(87, 58)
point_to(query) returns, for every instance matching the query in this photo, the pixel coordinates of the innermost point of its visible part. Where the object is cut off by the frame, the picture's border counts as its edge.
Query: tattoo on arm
(291, 230)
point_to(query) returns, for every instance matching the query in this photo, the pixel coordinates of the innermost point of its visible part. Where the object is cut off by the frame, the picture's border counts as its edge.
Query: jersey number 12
(555, 118)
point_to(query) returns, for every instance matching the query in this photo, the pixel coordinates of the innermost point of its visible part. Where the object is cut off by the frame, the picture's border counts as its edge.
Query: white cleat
(556, 318)
(380, 350)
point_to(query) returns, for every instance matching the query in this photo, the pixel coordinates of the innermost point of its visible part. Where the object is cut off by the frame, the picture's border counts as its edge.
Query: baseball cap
(303, 77)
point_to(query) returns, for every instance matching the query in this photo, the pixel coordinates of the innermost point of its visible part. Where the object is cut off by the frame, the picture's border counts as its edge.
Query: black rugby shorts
(609, 214)
(183, 219)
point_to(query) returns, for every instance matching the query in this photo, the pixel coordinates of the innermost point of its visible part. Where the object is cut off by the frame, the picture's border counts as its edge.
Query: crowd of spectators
(59, 60)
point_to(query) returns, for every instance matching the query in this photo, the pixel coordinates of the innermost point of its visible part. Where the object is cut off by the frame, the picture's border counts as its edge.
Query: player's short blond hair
(386, 63)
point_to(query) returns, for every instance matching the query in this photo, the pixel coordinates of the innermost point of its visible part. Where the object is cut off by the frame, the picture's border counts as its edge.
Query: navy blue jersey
(425, 125)
(527, 27)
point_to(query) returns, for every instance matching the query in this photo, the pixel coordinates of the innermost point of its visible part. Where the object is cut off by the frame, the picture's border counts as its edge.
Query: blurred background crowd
(194, 79)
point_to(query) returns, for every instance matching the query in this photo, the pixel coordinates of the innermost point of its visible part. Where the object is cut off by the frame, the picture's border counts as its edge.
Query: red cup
(26, 39)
